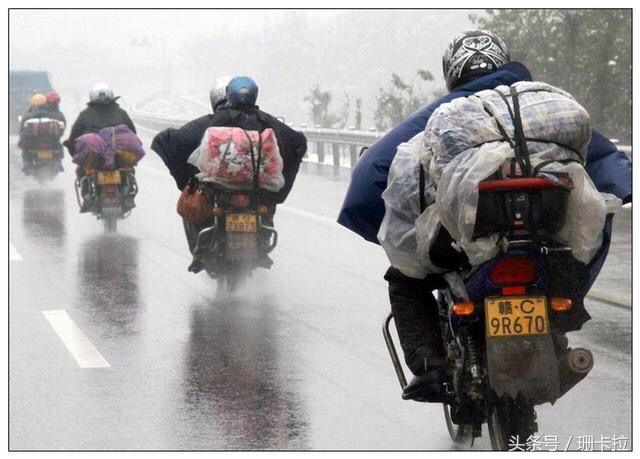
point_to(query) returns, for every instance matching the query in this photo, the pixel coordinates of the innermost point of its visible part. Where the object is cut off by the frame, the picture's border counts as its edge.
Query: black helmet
(473, 53)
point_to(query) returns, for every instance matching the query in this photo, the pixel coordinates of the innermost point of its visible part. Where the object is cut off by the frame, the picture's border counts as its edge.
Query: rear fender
(524, 365)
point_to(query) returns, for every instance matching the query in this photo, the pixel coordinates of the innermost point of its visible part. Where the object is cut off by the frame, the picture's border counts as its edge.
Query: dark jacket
(95, 117)
(363, 208)
(175, 146)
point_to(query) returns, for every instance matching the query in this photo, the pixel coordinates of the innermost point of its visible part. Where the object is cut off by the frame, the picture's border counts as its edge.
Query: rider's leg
(415, 313)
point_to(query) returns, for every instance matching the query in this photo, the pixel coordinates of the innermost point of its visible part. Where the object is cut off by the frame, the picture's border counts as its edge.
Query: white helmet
(218, 91)
(101, 93)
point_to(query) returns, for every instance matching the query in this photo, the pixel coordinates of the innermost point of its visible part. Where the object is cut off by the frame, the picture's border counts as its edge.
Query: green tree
(585, 52)
(400, 99)
(319, 102)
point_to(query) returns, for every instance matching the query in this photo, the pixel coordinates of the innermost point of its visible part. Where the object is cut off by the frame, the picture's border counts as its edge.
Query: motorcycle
(503, 323)
(109, 195)
(236, 240)
(42, 151)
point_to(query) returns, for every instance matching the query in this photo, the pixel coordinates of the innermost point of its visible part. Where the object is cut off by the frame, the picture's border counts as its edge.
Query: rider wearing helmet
(53, 106)
(102, 111)
(474, 61)
(36, 108)
(234, 105)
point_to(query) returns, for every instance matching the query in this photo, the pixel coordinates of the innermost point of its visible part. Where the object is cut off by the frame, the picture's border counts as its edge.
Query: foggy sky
(140, 52)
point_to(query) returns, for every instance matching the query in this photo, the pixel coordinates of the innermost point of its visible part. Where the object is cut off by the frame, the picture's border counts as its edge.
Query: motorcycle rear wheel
(511, 423)
(461, 434)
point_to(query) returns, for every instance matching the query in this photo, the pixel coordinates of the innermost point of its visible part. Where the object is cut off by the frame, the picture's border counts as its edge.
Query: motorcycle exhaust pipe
(579, 360)
(574, 366)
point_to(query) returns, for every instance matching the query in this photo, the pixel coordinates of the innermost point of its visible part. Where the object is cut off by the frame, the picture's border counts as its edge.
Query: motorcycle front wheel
(511, 424)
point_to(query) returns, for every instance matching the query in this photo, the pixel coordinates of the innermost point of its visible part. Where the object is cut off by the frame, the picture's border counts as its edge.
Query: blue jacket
(363, 207)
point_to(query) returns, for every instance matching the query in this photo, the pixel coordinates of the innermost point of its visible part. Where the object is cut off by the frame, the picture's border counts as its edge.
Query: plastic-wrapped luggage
(40, 132)
(42, 127)
(93, 152)
(468, 141)
(110, 148)
(126, 145)
(229, 156)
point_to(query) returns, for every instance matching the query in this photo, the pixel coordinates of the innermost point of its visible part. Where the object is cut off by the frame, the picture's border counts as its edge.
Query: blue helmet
(242, 90)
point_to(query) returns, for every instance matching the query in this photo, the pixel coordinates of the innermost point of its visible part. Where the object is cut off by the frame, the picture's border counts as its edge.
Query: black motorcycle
(503, 322)
(109, 195)
(236, 239)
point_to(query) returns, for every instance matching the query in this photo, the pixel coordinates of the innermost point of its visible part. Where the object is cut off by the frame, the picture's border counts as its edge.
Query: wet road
(295, 360)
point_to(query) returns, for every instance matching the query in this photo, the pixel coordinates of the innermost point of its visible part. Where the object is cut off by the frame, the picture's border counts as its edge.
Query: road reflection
(108, 281)
(236, 377)
(43, 217)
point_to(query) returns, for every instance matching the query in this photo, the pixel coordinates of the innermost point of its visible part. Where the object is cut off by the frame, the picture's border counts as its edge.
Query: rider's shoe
(196, 266)
(86, 206)
(265, 261)
(427, 387)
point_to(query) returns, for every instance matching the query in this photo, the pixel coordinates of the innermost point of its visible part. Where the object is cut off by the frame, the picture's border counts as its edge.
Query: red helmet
(53, 98)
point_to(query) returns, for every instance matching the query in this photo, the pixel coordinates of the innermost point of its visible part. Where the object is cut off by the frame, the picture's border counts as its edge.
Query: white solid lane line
(77, 343)
(13, 253)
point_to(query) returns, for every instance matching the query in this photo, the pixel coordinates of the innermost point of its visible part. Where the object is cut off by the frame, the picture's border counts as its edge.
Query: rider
(53, 107)
(233, 101)
(468, 68)
(102, 111)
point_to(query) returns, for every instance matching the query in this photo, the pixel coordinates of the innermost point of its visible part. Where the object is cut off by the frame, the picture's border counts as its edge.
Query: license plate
(109, 178)
(516, 316)
(45, 154)
(241, 223)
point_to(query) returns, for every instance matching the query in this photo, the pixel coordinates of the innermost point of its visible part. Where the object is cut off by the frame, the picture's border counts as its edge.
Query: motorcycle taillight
(110, 189)
(240, 200)
(518, 270)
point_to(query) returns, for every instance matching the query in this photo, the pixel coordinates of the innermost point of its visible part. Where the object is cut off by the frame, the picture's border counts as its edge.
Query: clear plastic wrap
(548, 115)
(462, 146)
(397, 234)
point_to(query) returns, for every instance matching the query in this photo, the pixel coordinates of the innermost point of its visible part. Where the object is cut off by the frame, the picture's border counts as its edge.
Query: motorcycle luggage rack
(392, 351)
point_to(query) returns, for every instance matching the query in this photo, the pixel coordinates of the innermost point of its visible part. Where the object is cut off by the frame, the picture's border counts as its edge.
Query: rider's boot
(415, 313)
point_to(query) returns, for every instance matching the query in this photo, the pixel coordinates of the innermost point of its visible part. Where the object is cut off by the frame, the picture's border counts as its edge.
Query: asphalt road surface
(114, 345)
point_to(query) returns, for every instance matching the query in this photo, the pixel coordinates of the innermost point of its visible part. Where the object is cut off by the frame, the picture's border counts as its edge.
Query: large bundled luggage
(108, 149)
(239, 159)
(39, 132)
(527, 130)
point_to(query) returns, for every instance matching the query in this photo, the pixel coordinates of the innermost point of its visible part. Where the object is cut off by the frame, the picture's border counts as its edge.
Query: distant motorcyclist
(38, 110)
(102, 111)
(474, 61)
(233, 102)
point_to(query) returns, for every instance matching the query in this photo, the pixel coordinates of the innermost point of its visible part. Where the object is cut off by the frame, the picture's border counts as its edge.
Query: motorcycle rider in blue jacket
(474, 61)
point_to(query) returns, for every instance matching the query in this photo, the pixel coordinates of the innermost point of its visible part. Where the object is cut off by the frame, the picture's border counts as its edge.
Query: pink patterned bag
(229, 157)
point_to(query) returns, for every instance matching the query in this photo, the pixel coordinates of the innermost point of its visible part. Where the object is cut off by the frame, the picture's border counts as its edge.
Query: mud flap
(524, 365)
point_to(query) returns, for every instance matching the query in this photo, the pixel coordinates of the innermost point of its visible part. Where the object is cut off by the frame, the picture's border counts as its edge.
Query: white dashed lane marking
(13, 253)
(77, 343)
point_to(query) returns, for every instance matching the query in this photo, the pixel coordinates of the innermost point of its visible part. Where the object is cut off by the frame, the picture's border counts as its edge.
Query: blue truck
(22, 85)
